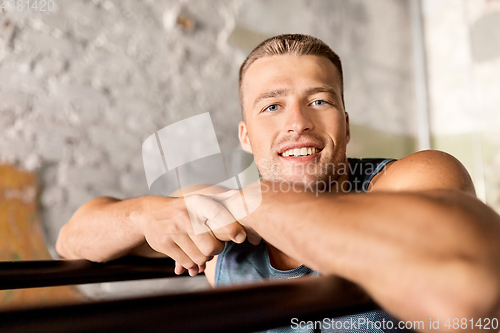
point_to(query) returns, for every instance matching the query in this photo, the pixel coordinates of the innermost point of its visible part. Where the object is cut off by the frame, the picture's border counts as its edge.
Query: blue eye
(272, 108)
(319, 100)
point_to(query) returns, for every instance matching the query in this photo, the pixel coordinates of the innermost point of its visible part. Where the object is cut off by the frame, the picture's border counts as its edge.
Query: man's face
(292, 106)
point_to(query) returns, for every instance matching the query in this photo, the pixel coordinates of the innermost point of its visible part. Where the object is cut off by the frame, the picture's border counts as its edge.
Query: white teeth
(300, 152)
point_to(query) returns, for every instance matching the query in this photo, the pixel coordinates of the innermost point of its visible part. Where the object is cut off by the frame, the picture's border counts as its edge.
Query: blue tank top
(245, 263)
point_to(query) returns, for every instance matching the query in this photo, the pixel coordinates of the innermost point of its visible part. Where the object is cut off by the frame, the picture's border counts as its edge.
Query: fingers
(231, 200)
(194, 238)
(253, 237)
(182, 260)
(192, 272)
(186, 255)
(208, 244)
(214, 216)
(179, 269)
(231, 232)
(187, 245)
(199, 249)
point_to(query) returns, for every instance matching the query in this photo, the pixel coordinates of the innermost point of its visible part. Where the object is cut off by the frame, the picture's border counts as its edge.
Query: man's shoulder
(424, 170)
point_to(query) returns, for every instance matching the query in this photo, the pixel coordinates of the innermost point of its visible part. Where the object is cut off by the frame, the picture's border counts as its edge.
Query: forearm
(303, 225)
(428, 246)
(106, 228)
(102, 229)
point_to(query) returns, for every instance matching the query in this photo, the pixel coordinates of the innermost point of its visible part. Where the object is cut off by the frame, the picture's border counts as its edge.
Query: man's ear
(347, 128)
(243, 136)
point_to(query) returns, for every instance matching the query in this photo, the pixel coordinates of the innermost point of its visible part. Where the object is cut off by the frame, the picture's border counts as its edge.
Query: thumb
(207, 214)
(232, 232)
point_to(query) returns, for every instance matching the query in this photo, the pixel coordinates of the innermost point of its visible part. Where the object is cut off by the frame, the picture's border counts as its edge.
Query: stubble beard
(316, 173)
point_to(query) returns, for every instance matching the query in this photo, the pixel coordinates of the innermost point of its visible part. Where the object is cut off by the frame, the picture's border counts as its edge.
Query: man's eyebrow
(270, 94)
(326, 89)
(283, 92)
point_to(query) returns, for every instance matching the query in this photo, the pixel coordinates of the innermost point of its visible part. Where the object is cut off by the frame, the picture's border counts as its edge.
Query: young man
(419, 242)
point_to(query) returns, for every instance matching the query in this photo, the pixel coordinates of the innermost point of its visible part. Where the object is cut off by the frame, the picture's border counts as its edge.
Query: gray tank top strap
(362, 171)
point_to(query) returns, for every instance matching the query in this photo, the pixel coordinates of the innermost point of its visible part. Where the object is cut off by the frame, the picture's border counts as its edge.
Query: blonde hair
(291, 44)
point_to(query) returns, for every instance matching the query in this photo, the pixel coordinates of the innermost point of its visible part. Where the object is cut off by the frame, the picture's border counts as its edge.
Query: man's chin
(301, 180)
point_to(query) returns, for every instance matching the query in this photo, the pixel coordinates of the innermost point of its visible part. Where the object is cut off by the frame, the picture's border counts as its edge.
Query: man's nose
(298, 119)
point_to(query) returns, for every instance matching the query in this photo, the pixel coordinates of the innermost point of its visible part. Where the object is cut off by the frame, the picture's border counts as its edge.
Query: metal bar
(46, 273)
(236, 309)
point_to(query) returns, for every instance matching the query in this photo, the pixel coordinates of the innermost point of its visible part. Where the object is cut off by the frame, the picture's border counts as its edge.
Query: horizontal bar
(236, 309)
(46, 273)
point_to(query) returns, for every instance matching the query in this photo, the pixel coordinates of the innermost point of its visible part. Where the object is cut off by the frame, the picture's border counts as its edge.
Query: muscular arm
(102, 229)
(106, 228)
(420, 243)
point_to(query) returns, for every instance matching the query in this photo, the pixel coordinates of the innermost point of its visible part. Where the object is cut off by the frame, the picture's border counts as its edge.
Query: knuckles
(212, 249)
(188, 265)
(200, 260)
(163, 231)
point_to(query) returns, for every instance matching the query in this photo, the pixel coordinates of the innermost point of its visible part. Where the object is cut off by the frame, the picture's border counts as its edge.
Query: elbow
(61, 247)
(478, 295)
(65, 247)
(480, 298)
(465, 269)
(471, 290)
(70, 242)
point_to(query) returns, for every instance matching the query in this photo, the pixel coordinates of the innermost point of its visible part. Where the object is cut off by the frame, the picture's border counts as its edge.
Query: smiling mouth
(300, 152)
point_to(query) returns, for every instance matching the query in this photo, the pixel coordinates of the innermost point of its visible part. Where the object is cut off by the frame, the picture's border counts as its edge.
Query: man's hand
(168, 229)
(252, 198)
(106, 228)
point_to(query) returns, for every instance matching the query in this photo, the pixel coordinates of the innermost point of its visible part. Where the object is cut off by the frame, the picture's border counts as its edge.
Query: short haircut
(291, 44)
